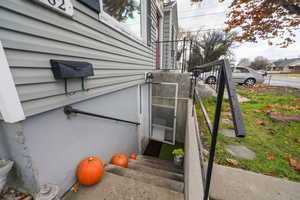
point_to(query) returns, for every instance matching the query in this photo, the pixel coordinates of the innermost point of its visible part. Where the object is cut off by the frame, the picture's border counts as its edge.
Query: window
(127, 12)
(241, 70)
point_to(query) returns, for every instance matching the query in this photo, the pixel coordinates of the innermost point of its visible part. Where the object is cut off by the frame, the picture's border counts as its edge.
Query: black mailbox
(71, 69)
(64, 69)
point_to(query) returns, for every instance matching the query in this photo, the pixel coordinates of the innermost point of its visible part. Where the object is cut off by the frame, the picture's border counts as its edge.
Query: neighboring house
(286, 65)
(44, 143)
(170, 34)
(155, 21)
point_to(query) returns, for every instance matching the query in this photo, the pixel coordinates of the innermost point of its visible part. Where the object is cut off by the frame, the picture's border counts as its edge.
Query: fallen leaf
(287, 107)
(267, 111)
(271, 131)
(297, 140)
(75, 187)
(270, 156)
(28, 198)
(106, 164)
(232, 161)
(296, 100)
(260, 122)
(286, 142)
(270, 106)
(21, 196)
(294, 164)
(257, 111)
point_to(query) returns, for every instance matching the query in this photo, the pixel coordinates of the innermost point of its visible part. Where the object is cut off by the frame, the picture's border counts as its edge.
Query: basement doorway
(163, 112)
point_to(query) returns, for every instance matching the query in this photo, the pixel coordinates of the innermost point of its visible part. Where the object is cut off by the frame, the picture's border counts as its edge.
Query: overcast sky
(210, 14)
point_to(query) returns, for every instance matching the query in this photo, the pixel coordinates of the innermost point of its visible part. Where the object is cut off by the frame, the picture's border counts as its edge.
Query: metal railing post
(220, 69)
(221, 89)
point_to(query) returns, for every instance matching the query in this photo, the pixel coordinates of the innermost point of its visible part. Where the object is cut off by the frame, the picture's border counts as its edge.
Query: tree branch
(293, 8)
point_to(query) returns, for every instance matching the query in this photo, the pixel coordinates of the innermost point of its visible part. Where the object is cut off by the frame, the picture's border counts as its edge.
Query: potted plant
(5, 167)
(178, 157)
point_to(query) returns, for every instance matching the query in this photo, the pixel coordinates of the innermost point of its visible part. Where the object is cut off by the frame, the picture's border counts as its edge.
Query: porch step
(154, 171)
(156, 163)
(115, 187)
(146, 178)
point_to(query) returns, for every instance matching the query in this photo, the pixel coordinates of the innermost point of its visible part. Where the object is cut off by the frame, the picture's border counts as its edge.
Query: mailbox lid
(63, 69)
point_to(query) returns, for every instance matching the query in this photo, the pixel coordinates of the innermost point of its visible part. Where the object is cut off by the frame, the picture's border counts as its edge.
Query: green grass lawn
(273, 142)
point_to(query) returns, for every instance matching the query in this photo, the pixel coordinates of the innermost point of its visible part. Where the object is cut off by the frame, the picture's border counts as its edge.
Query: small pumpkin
(90, 171)
(120, 159)
(133, 156)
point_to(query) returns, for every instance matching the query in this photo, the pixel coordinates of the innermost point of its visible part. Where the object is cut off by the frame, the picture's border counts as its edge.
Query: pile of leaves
(12, 194)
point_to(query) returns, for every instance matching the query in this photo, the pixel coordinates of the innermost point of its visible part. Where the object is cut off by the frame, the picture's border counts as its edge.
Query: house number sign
(62, 6)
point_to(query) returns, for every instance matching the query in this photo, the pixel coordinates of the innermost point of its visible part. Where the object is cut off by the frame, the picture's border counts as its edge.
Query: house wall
(155, 7)
(166, 37)
(144, 115)
(170, 21)
(175, 25)
(32, 35)
(47, 146)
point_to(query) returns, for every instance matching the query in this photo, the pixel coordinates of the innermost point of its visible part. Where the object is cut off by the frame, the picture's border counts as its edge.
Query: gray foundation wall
(48, 147)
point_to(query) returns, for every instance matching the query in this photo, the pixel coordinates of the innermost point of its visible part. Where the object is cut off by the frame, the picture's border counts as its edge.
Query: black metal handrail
(222, 71)
(69, 110)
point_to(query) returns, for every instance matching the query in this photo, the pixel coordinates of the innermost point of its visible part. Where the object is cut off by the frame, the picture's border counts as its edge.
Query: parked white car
(240, 75)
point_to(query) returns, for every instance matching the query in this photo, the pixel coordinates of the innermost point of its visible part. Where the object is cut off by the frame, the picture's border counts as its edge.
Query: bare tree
(260, 62)
(210, 46)
(244, 62)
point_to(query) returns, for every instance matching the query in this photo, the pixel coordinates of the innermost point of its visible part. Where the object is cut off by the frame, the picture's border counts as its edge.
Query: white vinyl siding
(32, 35)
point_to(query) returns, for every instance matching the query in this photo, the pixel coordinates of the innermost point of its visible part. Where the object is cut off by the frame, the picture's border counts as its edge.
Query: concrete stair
(145, 178)
(154, 171)
(157, 164)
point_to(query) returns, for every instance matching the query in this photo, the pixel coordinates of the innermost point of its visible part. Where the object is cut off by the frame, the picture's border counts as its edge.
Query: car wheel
(211, 80)
(250, 82)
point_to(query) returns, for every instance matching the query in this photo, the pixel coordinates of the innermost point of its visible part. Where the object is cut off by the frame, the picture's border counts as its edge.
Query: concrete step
(154, 160)
(162, 165)
(115, 187)
(155, 171)
(146, 178)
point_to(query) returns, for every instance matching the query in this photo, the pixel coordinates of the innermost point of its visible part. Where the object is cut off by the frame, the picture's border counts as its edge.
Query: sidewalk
(237, 184)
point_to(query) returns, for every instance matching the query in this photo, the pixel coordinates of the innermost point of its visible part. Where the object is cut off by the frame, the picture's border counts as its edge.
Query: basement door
(163, 112)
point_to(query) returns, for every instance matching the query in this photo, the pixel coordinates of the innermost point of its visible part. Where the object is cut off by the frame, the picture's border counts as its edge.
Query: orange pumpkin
(90, 171)
(133, 156)
(120, 159)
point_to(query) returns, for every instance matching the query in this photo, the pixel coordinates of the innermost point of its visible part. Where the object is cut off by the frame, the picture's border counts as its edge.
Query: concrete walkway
(237, 184)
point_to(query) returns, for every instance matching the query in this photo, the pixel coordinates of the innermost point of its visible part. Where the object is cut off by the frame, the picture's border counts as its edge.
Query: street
(283, 81)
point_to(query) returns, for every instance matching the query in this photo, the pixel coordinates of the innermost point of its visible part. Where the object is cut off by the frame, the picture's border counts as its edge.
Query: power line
(198, 9)
(204, 30)
(205, 14)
